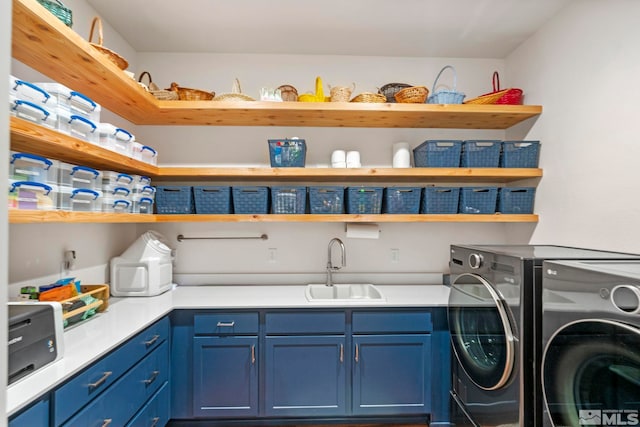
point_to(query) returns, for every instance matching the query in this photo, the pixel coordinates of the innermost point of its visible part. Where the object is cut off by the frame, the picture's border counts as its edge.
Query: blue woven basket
(520, 154)
(478, 200)
(516, 200)
(440, 200)
(364, 200)
(481, 154)
(174, 200)
(250, 200)
(212, 199)
(288, 200)
(446, 96)
(287, 153)
(438, 154)
(326, 200)
(401, 200)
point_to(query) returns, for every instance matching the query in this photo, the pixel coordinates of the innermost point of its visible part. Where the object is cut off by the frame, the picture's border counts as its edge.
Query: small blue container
(287, 153)
(364, 200)
(440, 200)
(401, 200)
(250, 200)
(212, 199)
(520, 154)
(326, 200)
(174, 200)
(516, 200)
(478, 200)
(481, 154)
(437, 154)
(288, 200)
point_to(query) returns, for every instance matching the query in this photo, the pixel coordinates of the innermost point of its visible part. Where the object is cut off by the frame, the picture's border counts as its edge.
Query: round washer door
(591, 374)
(481, 331)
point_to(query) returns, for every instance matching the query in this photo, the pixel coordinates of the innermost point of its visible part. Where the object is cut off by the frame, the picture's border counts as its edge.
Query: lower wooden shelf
(34, 217)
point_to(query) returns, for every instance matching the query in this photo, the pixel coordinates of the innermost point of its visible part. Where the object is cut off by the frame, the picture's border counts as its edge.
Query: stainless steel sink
(353, 292)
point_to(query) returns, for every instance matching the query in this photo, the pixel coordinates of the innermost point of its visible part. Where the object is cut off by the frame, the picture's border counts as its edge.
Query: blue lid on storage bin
(287, 153)
(516, 200)
(364, 200)
(481, 153)
(174, 200)
(401, 200)
(441, 153)
(250, 200)
(478, 200)
(326, 200)
(440, 200)
(520, 154)
(212, 199)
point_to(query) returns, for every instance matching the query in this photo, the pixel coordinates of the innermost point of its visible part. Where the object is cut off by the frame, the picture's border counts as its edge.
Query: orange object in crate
(59, 293)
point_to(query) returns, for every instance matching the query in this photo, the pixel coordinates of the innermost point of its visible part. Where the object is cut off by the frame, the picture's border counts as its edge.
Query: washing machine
(494, 315)
(591, 339)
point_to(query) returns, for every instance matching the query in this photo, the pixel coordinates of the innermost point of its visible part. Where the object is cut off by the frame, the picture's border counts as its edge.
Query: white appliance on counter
(144, 269)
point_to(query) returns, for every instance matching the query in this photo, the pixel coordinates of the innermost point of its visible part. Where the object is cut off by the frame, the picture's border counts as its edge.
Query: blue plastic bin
(516, 200)
(288, 200)
(326, 200)
(437, 154)
(481, 154)
(478, 200)
(520, 154)
(440, 200)
(287, 153)
(401, 200)
(212, 199)
(364, 200)
(174, 200)
(250, 200)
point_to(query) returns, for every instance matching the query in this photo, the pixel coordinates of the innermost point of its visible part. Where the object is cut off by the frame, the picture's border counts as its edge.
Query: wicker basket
(390, 89)
(369, 97)
(314, 97)
(163, 94)
(342, 93)
(188, 94)
(118, 60)
(505, 96)
(413, 94)
(288, 93)
(60, 11)
(446, 96)
(235, 94)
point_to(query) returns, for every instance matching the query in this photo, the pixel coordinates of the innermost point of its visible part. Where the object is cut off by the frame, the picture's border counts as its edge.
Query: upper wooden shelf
(44, 43)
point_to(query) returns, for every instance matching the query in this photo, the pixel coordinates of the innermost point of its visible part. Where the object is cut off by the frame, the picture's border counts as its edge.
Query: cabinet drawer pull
(253, 354)
(341, 353)
(106, 422)
(153, 377)
(152, 340)
(100, 381)
(155, 421)
(357, 353)
(226, 324)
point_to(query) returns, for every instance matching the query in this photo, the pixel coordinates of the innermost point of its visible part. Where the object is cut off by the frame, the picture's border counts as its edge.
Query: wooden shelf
(44, 43)
(31, 217)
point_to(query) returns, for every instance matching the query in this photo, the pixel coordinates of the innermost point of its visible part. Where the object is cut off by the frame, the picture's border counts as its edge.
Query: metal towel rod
(261, 237)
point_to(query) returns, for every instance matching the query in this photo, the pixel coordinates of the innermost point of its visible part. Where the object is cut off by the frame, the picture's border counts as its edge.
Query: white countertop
(125, 317)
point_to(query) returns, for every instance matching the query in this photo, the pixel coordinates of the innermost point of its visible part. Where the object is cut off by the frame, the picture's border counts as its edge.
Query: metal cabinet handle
(341, 353)
(226, 324)
(106, 422)
(155, 421)
(152, 378)
(152, 340)
(253, 354)
(100, 381)
(357, 353)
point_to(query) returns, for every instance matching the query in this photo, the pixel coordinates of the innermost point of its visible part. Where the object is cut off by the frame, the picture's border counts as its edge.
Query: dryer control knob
(475, 261)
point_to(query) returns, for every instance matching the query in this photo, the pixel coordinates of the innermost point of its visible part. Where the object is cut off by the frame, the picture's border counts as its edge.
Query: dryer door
(591, 374)
(482, 333)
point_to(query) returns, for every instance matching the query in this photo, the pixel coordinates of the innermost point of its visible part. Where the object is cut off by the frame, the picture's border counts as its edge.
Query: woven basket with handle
(314, 97)
(118, 60)
(446, 96)
(189, 94)
(235, 94)
(505, 96)
(163, 94)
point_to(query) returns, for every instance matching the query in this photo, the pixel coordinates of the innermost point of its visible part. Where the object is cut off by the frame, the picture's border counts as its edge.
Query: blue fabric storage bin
(478, 200)
(481, 154)
(437, 154)
(440, 200)
(520, 154)
(287, 153)
(516, 200)
(212, 199)
(326, 200)
(174, 200)
(401, 200)
(288, 200)
(250, 200)
(364, 200)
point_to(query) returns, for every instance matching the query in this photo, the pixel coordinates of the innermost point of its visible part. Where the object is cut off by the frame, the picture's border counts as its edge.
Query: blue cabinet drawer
(305, 323)
(391, 321)
(36, 415)
(117, 405)
(155, 413)
(91, 382)
(225, 323)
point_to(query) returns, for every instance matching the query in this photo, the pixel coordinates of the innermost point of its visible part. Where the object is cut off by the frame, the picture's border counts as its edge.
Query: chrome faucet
(330, 267)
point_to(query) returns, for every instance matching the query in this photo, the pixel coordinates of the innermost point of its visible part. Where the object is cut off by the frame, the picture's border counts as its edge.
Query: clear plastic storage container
(144, 153)
(73, 101)
(30, 167)
(34, 112)
(80, 177)
(117, 192)
(79, 199)
(32, 195)
(142, 204)
(76, 125)
(116, 139)
(140, 182)
(22, 89)
(115, 204)
(111, 179)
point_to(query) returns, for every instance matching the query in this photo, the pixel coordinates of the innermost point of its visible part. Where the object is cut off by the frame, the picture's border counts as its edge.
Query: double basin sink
(353, 292)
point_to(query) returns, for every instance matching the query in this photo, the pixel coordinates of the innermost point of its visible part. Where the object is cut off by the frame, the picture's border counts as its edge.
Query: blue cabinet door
(225, 376)
(36, 415)
(391, 374)
(305, 376)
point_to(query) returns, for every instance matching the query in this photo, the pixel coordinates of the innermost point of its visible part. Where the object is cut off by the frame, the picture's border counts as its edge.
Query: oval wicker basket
(188, 94)
(512, 96)
(369, 97)
(118, 60)
(235, 94)
(153, 89)
(390, 89)
(412, 95)
(288, 93)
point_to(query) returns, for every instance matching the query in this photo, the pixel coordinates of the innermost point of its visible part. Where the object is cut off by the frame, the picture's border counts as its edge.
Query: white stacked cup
(353, 159)
(338, 159)
(401, 155)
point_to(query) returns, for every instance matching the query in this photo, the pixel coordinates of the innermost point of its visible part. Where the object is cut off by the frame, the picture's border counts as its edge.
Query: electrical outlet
(395, 255)
(272, 255)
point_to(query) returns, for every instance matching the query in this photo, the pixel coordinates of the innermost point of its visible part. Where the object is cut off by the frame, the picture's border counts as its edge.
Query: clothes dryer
(591, 338)
(495, 323)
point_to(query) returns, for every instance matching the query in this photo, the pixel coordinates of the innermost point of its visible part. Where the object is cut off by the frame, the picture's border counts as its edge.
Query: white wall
(583, 67)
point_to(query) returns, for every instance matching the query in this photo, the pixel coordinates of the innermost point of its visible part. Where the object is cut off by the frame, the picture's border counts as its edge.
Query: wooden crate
(100, 292)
